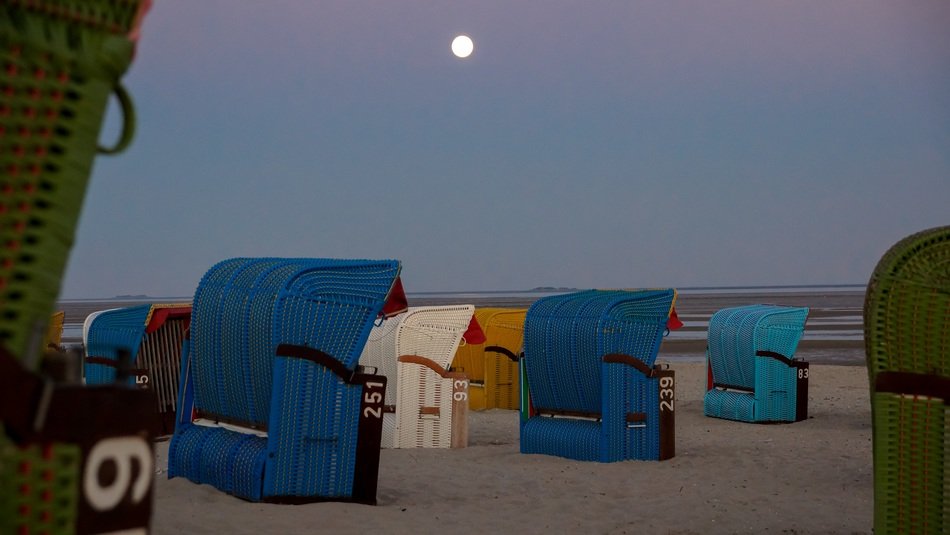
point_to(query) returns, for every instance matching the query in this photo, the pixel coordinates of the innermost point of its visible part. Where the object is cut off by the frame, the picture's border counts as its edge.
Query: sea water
(834, 331)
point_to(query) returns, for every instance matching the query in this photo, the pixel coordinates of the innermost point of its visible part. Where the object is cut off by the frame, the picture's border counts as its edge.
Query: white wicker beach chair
(380, 353)
(427, 403)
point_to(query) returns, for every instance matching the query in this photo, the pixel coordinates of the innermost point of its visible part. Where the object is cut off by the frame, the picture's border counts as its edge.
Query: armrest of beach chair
(514, 357)
(454, 382)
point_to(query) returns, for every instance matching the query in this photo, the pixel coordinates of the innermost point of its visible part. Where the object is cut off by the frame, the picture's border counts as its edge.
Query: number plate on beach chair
(81, 457)
(801, 386)
(667, 424)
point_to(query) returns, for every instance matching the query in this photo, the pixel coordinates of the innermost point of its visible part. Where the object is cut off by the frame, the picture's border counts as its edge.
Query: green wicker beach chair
(907, 337)
(60, 60)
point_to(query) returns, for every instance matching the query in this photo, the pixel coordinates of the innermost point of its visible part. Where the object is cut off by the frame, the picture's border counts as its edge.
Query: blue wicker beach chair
(594, 393)
(273, 405)
(152, 336)
(753, 377)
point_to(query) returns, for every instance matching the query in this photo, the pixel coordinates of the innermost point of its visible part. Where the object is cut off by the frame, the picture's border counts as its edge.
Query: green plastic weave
(907, 331)
(40, 487)
(59, 62)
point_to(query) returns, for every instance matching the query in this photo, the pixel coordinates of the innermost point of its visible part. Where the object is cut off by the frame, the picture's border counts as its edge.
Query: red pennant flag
(674, 322)
(474, 334)
(396, 302)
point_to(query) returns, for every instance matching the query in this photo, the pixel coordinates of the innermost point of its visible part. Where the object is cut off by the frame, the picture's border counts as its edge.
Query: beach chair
(59, 62)
(753, 376)
(152, 336)
(54, 331)
(907, 338)
(273, 405)
(492, 366)
(428, 402)
(593, 392)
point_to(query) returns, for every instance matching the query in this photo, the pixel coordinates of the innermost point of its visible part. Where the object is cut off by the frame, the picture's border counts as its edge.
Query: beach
(813, 476)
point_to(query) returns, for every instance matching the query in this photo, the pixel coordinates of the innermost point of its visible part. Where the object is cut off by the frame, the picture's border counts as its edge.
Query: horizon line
(537, 289)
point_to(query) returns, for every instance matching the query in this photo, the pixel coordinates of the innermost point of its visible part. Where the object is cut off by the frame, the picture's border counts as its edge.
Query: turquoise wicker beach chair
(151, 335)
(593, 392)
(907, 337)
(749, 357)
(273, 406)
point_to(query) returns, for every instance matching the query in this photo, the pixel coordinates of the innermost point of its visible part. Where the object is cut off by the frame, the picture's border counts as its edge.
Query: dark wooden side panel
(370, 435)
(667, 424)
(801, 395)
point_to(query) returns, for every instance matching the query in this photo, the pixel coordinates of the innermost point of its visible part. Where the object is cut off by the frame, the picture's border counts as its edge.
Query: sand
(813, 476)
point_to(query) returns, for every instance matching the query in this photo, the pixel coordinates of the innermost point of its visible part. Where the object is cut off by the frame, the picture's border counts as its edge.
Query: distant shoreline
(834, 333)
(535, 290)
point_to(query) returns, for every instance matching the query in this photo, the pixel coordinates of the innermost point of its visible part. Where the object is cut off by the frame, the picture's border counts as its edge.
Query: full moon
(462, 46)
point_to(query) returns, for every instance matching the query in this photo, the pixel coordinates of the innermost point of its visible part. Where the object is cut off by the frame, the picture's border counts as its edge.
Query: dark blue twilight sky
(584, 143)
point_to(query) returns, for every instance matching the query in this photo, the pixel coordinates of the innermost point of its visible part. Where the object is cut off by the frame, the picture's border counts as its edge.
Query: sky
(594, 144)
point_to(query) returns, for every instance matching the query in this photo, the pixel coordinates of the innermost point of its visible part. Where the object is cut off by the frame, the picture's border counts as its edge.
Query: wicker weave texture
(40, 487)
(59, 62)
(907, 337)
(565, 340)
(243, 309)
(736, 335)
(109, 332)
(907, 309)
